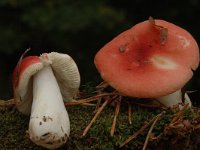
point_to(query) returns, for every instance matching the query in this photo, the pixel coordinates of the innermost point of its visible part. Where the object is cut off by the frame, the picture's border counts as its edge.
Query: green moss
(13, 126)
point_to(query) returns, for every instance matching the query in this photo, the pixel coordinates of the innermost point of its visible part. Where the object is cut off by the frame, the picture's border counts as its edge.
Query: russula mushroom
(40, 86)
(153, 59)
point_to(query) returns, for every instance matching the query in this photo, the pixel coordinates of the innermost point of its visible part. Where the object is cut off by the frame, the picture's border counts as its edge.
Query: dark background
(80, 28)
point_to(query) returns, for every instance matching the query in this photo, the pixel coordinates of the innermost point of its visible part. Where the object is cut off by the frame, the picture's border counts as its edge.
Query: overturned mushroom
(153, 59)
(40, 86)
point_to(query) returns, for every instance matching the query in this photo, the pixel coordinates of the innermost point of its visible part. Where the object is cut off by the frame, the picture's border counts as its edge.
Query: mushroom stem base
(174, 99)
(49, 122)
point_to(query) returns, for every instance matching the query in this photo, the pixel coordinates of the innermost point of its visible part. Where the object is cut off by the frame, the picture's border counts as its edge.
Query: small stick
(163, 31)
(138, 132)
(102, 85)
(148, 105)
(7, 102)
(99, 90)
(86, 100)
(129, 113)
(179, 113)
(98, 104)
(135, 134)
(150, 131)
(88, 104)
(95, 116)
(75, 103)
(152, 21)
(98, 101)
(117, 108)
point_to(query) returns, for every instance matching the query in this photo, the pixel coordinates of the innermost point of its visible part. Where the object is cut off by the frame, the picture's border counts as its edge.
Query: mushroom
(40, 86)
(153, 59)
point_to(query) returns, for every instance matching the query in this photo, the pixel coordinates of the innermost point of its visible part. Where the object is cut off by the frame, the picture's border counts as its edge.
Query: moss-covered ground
(14, 125)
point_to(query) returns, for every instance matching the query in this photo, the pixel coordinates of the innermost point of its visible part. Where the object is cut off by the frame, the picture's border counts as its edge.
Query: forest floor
(167, 128)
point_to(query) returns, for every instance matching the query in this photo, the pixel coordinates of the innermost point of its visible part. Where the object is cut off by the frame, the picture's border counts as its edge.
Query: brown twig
(74, 103)
(102, 86)
(135, 135)
(139, 131)
(87, 100)
(117, 108)
(88, 104)
(129, 113)
(95, 116)
(98, 101)
(97, 105)
(148, 105)
(179, 113)
(151, 129)
(99, 90)
(7, 102)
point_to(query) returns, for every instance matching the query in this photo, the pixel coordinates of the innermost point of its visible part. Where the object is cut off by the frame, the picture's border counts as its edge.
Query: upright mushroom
(153, 59)
(40, 86)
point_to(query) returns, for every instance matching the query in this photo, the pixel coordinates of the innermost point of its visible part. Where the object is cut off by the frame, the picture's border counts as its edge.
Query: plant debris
(139, 125)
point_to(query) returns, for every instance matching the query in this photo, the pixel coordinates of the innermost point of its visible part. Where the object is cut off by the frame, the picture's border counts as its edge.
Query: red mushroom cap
(64, 69)
(150, 60)
(22, 86)
(22, 66)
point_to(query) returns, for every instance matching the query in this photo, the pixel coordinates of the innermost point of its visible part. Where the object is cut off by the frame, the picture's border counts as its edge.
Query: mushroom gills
(49, 122)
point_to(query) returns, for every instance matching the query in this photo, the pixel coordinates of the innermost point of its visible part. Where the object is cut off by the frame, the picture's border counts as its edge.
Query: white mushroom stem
(174, 98)
(49, 122)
